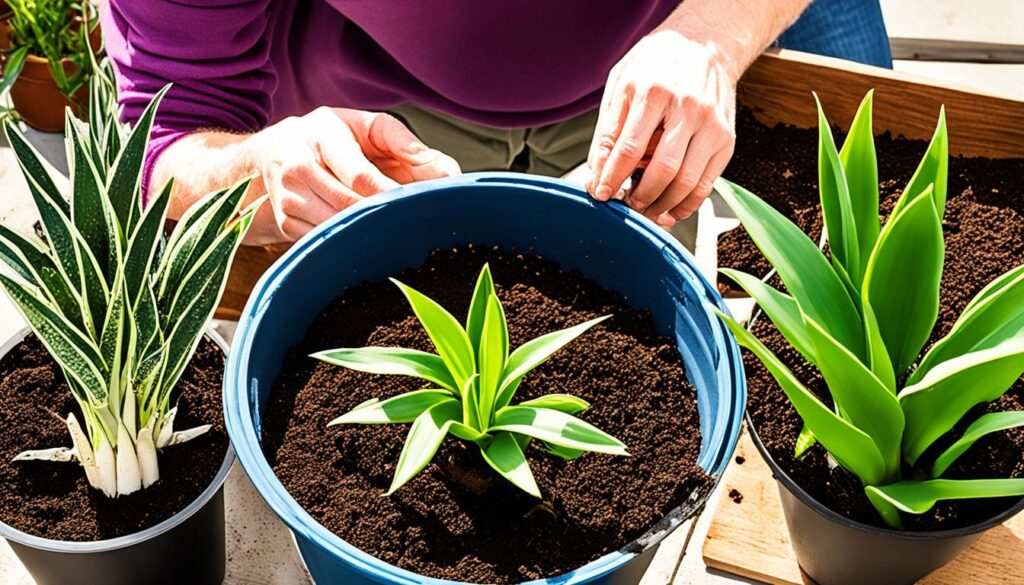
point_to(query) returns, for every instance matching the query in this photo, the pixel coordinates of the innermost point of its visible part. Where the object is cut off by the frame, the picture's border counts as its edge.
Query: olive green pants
(551, 150)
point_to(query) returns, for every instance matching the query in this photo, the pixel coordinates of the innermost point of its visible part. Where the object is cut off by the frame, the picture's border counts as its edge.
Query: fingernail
(665, 220)
(603, 193)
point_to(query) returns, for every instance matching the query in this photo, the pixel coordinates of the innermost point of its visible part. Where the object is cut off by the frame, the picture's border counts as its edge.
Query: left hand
(670, 103)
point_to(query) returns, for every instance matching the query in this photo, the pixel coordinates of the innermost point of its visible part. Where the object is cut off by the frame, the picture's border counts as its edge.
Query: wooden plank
(956, 51)
(749, 538)
(778, 87)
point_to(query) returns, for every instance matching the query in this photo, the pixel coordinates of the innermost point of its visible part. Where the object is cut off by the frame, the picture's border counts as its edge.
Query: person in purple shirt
(326, 102)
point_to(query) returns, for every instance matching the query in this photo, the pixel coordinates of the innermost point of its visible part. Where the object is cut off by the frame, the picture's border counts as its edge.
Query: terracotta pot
(36, 98)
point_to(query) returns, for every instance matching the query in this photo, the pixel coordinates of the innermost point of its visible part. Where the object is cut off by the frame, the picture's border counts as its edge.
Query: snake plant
(863, 314)
(120, 307)
(472, 381)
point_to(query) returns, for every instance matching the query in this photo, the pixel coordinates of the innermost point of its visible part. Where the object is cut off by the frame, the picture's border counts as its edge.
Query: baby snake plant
(118, 306)
(472, 381)
(862, 316)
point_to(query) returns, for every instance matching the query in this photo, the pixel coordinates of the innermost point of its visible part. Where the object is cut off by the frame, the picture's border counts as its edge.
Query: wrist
(728, 54)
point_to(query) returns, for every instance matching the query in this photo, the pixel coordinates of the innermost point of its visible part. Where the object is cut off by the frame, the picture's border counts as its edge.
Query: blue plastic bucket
(381, 235)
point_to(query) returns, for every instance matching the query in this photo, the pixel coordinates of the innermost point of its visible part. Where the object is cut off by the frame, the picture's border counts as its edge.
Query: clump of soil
(457, 519)
(984, 234)
(54, 500)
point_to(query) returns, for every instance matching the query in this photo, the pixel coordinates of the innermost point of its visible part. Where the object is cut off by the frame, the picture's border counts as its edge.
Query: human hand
(669, 105)
(316, 165)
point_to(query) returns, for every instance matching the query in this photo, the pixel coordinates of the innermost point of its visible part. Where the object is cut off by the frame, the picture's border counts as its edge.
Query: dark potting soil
(458, 519)
(54, 500)
(984, 234)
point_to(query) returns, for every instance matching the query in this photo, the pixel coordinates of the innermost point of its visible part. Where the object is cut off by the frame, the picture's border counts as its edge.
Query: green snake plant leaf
(403, 408)
(125, 178)
(36, 267)
(188, 244)
(860, 164)
(902, 280)
(189, 324)
(75, 353)
(90, 209)
(478, 306)
(557, 428)
(491, 357)
(939, 400)
(992, 317)
(506, 457)
(470, 395)
(878, 355)
(836, 205)
(806, 273)
(985, 424)
(850, 446)
(861, 397)
(566, 403)
(932, 170)
(425, 437)
(780, 308)
(445, 333)
(533, 353)
(35, 167)
(917, 497)
(804, 441)
(143, 243)
(392, 361)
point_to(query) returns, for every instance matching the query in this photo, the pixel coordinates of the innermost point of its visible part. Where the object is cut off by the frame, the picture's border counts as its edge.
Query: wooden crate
(778, 87)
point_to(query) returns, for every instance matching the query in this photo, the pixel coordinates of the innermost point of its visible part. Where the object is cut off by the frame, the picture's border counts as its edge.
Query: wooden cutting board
(748, 535)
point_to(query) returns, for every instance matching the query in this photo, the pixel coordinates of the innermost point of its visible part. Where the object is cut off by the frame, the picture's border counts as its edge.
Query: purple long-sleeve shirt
(243, 64)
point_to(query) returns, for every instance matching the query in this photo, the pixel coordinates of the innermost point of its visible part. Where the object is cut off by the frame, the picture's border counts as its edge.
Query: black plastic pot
(834, 550)
(187, 548)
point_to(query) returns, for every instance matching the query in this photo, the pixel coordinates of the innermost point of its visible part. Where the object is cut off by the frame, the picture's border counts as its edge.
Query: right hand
(316, 165)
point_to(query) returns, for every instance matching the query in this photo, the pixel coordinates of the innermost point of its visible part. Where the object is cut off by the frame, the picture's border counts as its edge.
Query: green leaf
(471, 404)
(125, 181)
(75, 353)
(142, 245)
(932, 170)
(403, 408)
(861, 167)
(804, 441)
(557, 428)
(850, 446)
(992, 422)
(878, 355)
(425, 437)
(861, 397)
(478, 306)
(836, 206)
(780, 308)
(90, 210)
(393, 361)
(902, 280)
(505, 457)
(935, 404)
(445, 333)
(35, 266)
(13, 65)
(562, 452)
(917, 497)
(37, 171)
(992, 317)
(491, 358)
(806, 273)
(561, 402)
(533, 353)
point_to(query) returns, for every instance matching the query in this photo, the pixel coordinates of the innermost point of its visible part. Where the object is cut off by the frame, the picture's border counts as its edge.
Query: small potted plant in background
(117, 312)
(893, 421)
(49, 58)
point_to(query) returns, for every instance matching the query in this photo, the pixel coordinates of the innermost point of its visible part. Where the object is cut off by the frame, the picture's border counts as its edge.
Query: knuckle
(363, 182)
(630, 147)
